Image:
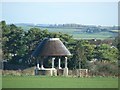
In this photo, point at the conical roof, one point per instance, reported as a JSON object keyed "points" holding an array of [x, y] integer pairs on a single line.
{"points": [[51, 47]]}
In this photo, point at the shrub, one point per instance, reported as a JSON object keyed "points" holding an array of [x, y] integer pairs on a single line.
{"points": [[104, 69]]}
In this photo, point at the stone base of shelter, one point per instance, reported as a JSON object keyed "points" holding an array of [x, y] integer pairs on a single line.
{"points": [[46, 71], [52, 72], [65, 72], [82, 72], [60, 72]]}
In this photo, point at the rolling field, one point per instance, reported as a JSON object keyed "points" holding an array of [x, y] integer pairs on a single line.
{"points": [[78, 35], [81, 35], [58, 82], [100, 35]]}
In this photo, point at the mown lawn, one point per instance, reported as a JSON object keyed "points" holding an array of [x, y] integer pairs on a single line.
{"points": [[58, 82], [0, 81]]}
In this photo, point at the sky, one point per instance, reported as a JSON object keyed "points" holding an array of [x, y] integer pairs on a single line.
{"points": [[87, 13]]}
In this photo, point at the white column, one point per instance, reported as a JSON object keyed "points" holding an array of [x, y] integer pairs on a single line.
{"points": [[65, 62], [65, 69], [53, 62], [52, 70], [38, 67], [59, 64], [42, 64]]}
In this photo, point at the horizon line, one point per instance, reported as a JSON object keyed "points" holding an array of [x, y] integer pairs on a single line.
{"points": [[58, 24]]}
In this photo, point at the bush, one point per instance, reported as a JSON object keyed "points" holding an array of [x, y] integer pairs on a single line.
{"points": [[103, 69]]}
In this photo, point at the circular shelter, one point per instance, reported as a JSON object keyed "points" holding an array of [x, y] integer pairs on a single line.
{"points": [[51, 47]]}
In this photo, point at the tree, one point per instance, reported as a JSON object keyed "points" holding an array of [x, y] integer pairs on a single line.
{"points": [[12, 42], [106, 52], [5, 32], [79, 54], [32, 39], [82, 52]]}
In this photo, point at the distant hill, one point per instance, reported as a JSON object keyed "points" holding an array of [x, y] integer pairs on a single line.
{"points": [[76, 30], [25, 24]]}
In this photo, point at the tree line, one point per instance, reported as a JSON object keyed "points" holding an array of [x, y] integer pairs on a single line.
{"points": [[18, 45]]}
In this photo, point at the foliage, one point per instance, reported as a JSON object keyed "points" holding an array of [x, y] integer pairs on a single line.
{"points": [[104, 68], [82, 52], [106, 52], [12, 41], [18, 45]]}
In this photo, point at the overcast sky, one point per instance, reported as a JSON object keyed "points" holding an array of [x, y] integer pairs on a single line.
{"points": [[90, 13]]}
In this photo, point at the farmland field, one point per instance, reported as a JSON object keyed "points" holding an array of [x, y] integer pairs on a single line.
{"points": [[58, 82], [78, 35], [81, 35]]}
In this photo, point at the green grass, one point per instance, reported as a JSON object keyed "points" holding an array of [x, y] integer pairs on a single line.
{"points": [[100, 35], [58, 82], [76, 35], [63, 30], [0, 81]]}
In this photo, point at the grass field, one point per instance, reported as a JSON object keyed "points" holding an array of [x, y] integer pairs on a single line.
{"points": [[82, 35], [58, 82], [76, 35], [0, 81], [100, 35]]}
